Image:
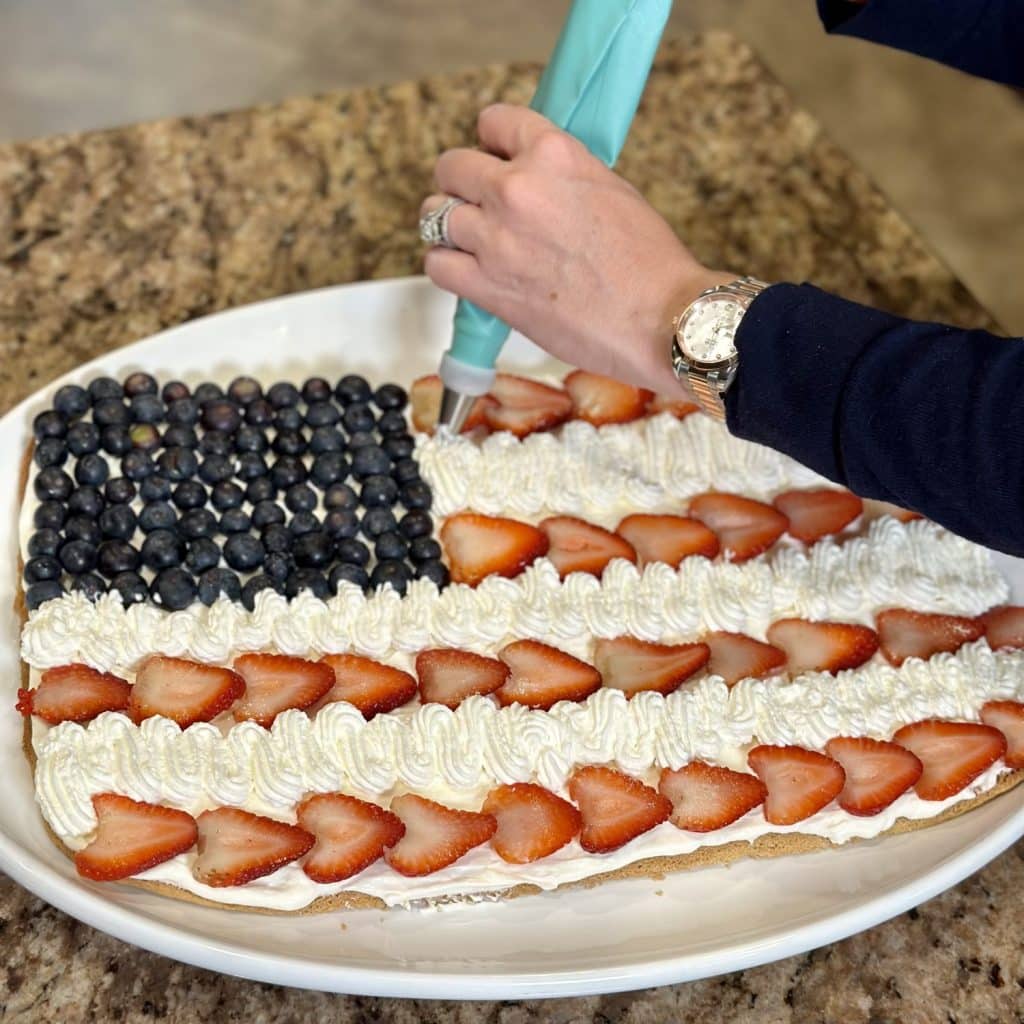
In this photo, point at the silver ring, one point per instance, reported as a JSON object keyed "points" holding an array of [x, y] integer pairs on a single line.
{"points": [[434, 225]]}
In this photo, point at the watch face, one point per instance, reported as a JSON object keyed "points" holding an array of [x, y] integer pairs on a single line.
{"points": [[709, 331]]}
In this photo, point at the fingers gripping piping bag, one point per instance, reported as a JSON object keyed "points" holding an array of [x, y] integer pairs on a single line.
{"points": [[591, 88]]}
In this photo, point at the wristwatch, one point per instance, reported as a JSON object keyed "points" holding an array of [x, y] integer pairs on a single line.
{"points": [[704, 341]]}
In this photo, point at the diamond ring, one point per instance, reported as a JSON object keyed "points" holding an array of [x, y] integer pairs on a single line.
{"points": [[434, 225]]}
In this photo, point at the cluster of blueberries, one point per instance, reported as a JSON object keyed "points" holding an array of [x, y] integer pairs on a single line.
{"points": [[177, 495]]}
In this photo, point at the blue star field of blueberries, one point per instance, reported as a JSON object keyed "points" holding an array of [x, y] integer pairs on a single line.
{"points": [[179, 496]]}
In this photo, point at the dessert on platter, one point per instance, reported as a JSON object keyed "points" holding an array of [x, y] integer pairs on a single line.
{"points": [[285, 649]]}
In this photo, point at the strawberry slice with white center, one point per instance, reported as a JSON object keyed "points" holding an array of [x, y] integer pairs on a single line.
{"points": [[876, 509], [133, 836], [822, 646], [744, 527], [600, 400], [877, 772], [425, 405], [954, 754], [577, 546], [632, 665], [74, 693], [350, 835], [800, 782], [449, 676], [736, 656], [235, 846], [366, 684], [479, 546], [278, 682], [532, 822], [1008, 717], [678, 407], [706, 797], [615, 807], [814, 514], [435, 835], [522, 406], [540, 676], [184, 691], [907, 634], [668, 539], [1004, 627]]}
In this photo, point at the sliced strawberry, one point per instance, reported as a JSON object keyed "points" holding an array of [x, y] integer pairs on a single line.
{"points": [[800, 782], [1004, 627], [678, 407], [736, 656], [435, 835], [601, 400], [615, 807], [822, 646], [1008, 717], [818, 513], [368, 685], [954, 754], [876, 509], [184, 691], [576, 546], [667, 539], [707, 797], [481, 546], [350, 835], [74, 693], [906, 634], [540, 676], [277, 682], [132, 837], [744, 527], [449, 676], [522, 406], [425, 403], [632, 665], [532, 822], [235, 846], [876, 772]]}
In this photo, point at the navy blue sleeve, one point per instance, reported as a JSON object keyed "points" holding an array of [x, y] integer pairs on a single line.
{"points": [[982, 37], [923, 415]]}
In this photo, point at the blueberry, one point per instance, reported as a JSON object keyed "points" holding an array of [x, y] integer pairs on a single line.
{"points": [[354, 552], [83, 528], [215, 582], [226, 494], [116, 439], [390, 396], [138, 384], [244, 390], [259, 413], [277, 538], [49, 515], [71, 401], [250, 465], [312, 550], [131, 586], [345, 572], [147, 409], [264, 513], [352, 388], [256, 586], [250, 439], [417, 495], [162, 549], [405, 471], [118, 522], [307, 579], [340, 496], [178, 463], [49, 423], [326, 439], [202, 554], [116, 556], [302, 523], [358, 417], [214, 442], [395, 574], [43, 542], [157, 515], [322, 414], [378, 492], [371, 460], [101, 388], [174, 391], [198, 522], [40, 593], [52, 484], [181, 435], [119, 490], [243, 552], [287, 471], [282, 395], [424, 549], [89, 584], [341, 523], [111, 412], [391, 546], [77, 556], [361, 438], [215, 468], [415, 524], [189, 494], [392, 424], [51, 451], [399, 446], [92, 470], [288, 418], [328, 468], [235, 520], [42, 567], [378, 521], [300, 498], [183, 411], [86, 501], [173, 589], [289, 442], [277, 566], [207, 392], [138, 465], [83, 438], [221, 414], [154, 487], [262, 488], [316, 389]]}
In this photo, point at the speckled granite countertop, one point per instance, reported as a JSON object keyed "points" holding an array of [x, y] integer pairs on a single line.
{"points": [[107, 237]]}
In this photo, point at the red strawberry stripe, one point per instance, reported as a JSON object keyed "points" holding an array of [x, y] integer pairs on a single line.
{"points": [[532, 822], [368, 685], [822, 646], [877, 772], [635, 665], [577, 546], [616, 808], [600, 400], [448, 676], [707, 797], [1008, 717], [184, 691], [279, 682], [479, 546], [235, 846], [744, 527], [435, 835], [667, 539], [954, 754], [908, 634], [800, 782], [735, 656], [523, 406], [540, 676], [74, 693], [818, 513], [1004, 627]]}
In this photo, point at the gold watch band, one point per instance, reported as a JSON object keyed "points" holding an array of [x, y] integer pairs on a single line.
{"points": [[707, 395]]}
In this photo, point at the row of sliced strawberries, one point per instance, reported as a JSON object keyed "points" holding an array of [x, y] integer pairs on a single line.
{"points": [[740, 528], [340, 835], [259, 687]]}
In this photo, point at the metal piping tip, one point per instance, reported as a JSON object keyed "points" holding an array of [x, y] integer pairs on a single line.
{"points": [[455, 408]]}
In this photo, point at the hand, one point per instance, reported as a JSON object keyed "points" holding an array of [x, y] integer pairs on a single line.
{"points": [[563, 249]]}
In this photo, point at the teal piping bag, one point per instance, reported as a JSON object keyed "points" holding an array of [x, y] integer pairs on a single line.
{"points": [[591, 88]]}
